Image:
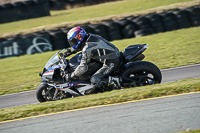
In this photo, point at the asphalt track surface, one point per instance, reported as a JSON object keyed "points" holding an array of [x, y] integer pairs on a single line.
{"points": [[169, 114], [169, 75]]}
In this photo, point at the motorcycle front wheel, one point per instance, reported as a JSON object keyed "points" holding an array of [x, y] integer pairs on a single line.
{"points": [[43, 94], [142, 73]]}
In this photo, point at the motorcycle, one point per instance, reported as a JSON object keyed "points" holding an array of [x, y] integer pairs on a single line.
{"points": [[131, 72]]}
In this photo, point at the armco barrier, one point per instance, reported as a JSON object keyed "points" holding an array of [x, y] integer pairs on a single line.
{"points": [[24, 10], [111, 30]]}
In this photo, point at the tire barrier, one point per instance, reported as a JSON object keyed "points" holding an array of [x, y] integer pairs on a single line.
{"points": [[194, 15], [143, 27], [99, 29], [182, 18], [24, 10], [169, 21], [57, 5], [88, 29], [28, 44], [58, 39], [128, 27], [154, 21], [21, 10], [113, 31]]}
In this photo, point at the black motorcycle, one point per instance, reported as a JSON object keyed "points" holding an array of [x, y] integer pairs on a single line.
{"points": [[131, 72]]}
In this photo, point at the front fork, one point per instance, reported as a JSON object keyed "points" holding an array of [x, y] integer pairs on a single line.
{"points": [[54, 97], [55, 94], [58, 95]]}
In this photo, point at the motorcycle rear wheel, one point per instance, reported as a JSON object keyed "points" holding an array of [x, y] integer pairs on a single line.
{"points": [[142, 73]]}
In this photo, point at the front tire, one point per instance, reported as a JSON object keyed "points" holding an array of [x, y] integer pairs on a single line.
{"points": [[41, 92], [142, 73]]}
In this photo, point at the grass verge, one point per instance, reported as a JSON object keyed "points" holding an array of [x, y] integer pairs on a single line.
{"points": [[116, 96], [192, 131], [166, 50], [67, 18]]}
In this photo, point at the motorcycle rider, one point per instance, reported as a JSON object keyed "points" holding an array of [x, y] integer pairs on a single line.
{"points": [[96, 48]]}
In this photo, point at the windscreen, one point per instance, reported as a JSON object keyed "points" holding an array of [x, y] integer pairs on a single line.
{"points": [[53, 60]]}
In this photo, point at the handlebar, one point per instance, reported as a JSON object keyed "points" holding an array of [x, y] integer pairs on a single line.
{"points": [[64, 61], [62, 58]]}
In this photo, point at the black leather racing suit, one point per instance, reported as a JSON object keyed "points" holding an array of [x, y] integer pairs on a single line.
{"points": [[101, 50]]}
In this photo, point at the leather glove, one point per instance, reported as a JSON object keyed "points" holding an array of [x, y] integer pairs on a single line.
{"points": [[67, 52], [73, 76], [67, 77]]}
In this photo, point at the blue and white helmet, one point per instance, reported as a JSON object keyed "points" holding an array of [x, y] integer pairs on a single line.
{"points": [[75, 37]]}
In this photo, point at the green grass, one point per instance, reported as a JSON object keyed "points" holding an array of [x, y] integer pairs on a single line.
{"points": [[166, 50], [169, 49], [116, 96], [89, 12], [192, 131]]}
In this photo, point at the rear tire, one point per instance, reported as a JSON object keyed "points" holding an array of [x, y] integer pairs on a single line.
{"points": [[142, 73]]}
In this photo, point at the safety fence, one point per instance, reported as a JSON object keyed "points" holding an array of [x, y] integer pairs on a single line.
{"points": [[128, 27]]}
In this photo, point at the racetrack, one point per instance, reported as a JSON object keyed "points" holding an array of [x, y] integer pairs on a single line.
{"points": [[169, 75], [158, 115]]}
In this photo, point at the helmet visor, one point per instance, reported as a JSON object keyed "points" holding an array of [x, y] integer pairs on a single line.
{"points": [[72, 42]]}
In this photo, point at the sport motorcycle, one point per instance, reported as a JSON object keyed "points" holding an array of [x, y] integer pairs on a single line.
{"points": [[132, 71]]}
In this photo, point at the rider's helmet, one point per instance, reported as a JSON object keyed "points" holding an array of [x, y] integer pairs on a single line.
{"points": [[75, 37]]}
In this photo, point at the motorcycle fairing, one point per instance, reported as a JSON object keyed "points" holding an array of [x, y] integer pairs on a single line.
{"points": [[66, 85], [49, 74], [53, 60], [131, 52], [81, 87], [54, 67]]}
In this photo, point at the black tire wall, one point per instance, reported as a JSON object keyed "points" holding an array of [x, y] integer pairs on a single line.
{"points": [[111, 30], [24, 10], [59, 39], [194, 15], [169, 21], [37, 42]]}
